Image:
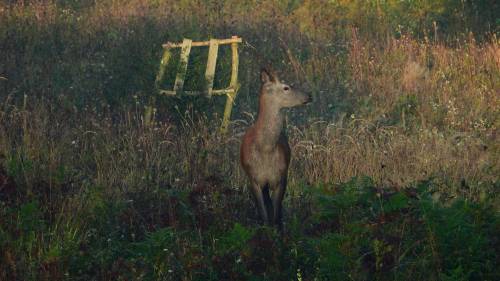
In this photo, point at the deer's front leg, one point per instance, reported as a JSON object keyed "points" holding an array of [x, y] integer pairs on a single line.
{"points": [[278, 194], [259, 201]]}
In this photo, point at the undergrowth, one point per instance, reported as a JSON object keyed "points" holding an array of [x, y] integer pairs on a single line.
{"points": [[349, 231], [394, 172]]}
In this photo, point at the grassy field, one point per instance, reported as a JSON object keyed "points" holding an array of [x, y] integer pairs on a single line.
{"points": [[395, 166]]}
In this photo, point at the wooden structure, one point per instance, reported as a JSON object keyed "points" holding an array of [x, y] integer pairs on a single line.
{"points": [[213, 45]]}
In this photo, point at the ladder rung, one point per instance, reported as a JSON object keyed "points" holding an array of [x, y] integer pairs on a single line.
{"points": [[166, 92], [220, 92], [204, 43], [223, 91]]}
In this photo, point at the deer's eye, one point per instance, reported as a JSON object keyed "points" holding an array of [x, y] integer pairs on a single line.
{"points": [[286, 88]]}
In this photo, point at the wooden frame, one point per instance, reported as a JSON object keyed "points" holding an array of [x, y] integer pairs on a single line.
{"points": [[213, 45]]}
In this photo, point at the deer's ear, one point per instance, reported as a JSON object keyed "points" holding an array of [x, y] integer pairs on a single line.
{"points": [[267, 76]]}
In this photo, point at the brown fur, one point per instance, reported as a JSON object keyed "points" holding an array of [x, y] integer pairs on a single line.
{"points": [[265, 153]]}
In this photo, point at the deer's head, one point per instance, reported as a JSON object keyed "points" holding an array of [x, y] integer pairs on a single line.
{"points": [[278, 94]]}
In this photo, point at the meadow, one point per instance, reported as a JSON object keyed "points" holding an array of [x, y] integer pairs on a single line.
{"points": [[395, 165]]}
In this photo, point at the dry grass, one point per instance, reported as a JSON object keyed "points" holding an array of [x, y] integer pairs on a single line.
{"points": [[399, 111], [391, 105]]}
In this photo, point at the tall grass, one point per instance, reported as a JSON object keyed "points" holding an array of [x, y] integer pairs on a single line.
{"points": [[394, 170]]}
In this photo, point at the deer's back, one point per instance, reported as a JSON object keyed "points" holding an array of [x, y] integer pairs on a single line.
{"points": [[264, 165]]}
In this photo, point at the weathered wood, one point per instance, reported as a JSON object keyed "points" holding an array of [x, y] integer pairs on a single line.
{"points": [[211, 63], [233, 39], [149, 113], [181, 72], [232, 85], [167, 54], [235, 65], [221, 92], [166, 92], [150, 109], [213, 44]]}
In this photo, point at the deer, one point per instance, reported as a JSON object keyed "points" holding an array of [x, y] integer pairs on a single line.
{"points": [[265, 153]]}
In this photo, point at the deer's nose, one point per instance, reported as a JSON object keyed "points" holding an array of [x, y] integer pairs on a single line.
{"points": [[309, 98]]}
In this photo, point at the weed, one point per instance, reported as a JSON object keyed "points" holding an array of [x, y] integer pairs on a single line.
{"points": [[393, 177]]}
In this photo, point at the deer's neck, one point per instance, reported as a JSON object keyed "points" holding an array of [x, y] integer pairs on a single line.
{"points": [[269, 126]]}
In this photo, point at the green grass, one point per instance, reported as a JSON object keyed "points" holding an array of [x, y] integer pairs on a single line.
{"points": [[348, 231], [394, 172]]}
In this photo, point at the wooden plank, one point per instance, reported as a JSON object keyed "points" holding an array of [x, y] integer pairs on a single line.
{"points": [[199, 93], [235, 65], [167, 54], [166, 92], [234, 39], [181, 71], [233, 85], [211, 63], [221, 92]]}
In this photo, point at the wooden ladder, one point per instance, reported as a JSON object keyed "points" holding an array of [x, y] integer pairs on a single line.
{"points": [[213, 45]]}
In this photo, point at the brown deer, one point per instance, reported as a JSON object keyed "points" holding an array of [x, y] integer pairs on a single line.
{"points": [[265, 153]]}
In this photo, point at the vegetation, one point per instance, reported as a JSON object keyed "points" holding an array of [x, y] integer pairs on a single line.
{"points": [[394, 170]]}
